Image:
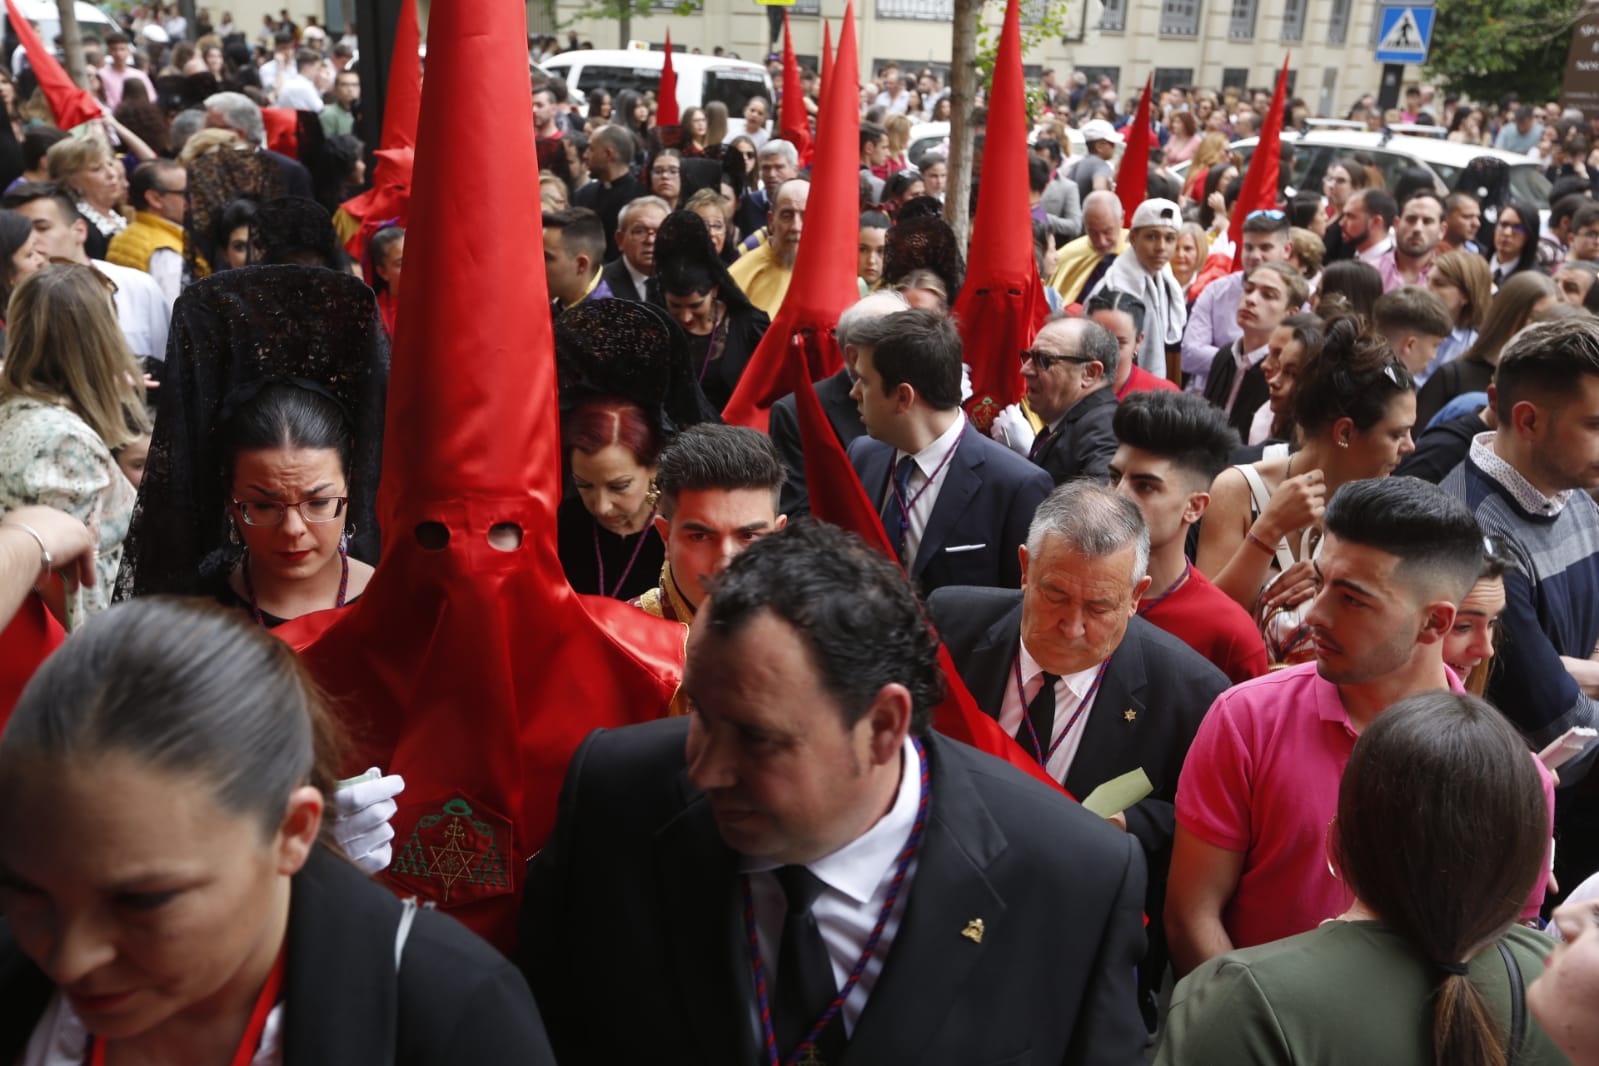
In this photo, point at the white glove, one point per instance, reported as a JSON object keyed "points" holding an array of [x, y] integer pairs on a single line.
{"points": [[1012, 429], [966, 382], [363, 807]]}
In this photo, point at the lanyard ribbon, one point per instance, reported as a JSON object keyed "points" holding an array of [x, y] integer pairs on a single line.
{"points": [[768, 1033], [252, 1032], [1082, 705]]}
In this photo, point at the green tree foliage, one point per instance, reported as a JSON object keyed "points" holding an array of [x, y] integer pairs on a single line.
{"points": [[1487, 48]]}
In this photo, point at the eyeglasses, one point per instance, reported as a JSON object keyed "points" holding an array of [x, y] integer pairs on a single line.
{"points": [[1513, 227], [1043, 361], [105, 282], [169, 192], [316, 509], [1275, 216]]}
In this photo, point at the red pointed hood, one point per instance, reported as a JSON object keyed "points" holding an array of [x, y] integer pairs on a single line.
{"points": [[70, 105], [666, 113], [386, 200], [1001, 303], [468, 665], [1260, 179], [1132, 177], [793, 126], [827, 54], [403, 104], [827, 259]]}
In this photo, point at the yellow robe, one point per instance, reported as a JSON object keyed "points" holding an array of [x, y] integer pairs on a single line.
{"points": [[763, 279], [1077, 261]]}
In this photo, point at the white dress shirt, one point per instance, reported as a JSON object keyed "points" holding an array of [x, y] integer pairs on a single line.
{"points": [[143, 311], [1378, 250], [1069, 693], [1245, 361], [929, 465], [856, 881]]}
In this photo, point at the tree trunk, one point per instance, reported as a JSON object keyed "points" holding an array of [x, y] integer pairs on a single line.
{"points": [[624, 23], [72, 43], [962, 91]]}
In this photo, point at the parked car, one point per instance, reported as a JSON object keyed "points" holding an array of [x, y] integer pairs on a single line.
{"points": [[926, 136], [1394, 154], [700, 78]]}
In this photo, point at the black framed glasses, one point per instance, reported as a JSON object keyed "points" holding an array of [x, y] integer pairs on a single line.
{"points": [[316, 509], [1043, 361]]}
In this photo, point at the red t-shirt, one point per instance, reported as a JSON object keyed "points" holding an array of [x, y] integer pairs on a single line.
{"points": [[1208, 620], [1141, 380]]}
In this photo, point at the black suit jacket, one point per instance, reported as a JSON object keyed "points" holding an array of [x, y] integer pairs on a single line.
{"points": [[1163, 683], [633, 935], [1166, 684], [454, 1000], [783, 426], [981, 515], [1084, 444], [621, 283], [296, 178]]}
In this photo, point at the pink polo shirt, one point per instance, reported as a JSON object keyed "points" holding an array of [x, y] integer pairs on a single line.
{"points": [[1262, 778]]}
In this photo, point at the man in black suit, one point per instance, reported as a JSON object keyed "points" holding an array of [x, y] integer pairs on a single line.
{"points": [[610, 162], [237, 112], [834, 393], [704, 869], [1071, 375], [955, 504], [1067, 667], [632, 277]]}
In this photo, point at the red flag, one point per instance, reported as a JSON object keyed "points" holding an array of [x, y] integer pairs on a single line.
{"points": [[70, 105], [386, 200], [1132, 177], [794, 127], [1001, 303], [1260, 178], [666, 113], [469, 666], [828, 255]]}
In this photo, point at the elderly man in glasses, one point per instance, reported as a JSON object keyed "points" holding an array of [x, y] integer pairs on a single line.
{"points": [[1213, 322], [1070, 373], [1144, 270]]}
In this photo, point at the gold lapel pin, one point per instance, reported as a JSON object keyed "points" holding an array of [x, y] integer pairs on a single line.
{"points": [[974, 931], [1130, 714]]}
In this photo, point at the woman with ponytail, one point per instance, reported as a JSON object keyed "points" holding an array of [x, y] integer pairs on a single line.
{"points": [[1442, 831]]}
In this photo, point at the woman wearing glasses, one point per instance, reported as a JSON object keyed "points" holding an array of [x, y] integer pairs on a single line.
{"points": [[1515, 242], [70, 393], [286, 448], [1355, 405]]}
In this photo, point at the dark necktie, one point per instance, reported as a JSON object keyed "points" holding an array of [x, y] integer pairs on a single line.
{"points": [[1041, 712], [896, 519], [1040, 442], [1093, 279], [1499, 275], [805, 984], [652, 290]]}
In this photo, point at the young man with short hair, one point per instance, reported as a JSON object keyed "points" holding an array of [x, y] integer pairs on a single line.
{"points": [[954, 503], [1416, 237], [1414, 321], [610, 165], [1172, 446], [1213, 322], [1368, 223], [1462, 220], [1260, 787], [718, 490], [574, 241], [1585, 233]]}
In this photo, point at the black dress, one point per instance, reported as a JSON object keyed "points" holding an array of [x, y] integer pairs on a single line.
{"points": [[744, 325], [639, 556], [1455, 378]]}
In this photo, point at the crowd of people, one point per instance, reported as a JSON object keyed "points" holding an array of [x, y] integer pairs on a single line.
{"points": [[1272, 594]]}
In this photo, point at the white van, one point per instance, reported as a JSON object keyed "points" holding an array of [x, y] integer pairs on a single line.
{"points": [[46, 18], [700, 78]]}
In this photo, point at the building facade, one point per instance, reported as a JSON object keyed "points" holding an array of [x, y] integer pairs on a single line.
{"points": [[1210, 43]]}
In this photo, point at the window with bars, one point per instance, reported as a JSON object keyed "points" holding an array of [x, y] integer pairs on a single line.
{"points": [[806, 7], [1241, 26], [1294, 20], [1114, 16], [1338, 23], [1179, 18], [916, 10], [1172, 77]]}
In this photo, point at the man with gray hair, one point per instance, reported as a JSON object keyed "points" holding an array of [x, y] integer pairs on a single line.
{"points": [[237, 112], [779, 163], [834, 394], [1088, 688], [1070, 375], [632, 277]]}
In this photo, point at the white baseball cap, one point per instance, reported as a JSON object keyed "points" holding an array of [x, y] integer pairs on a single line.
{"points": [[1100, 130], [1157, 212]]}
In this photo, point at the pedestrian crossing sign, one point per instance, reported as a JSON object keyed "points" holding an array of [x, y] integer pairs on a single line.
{"points": [[1405, 35]]}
